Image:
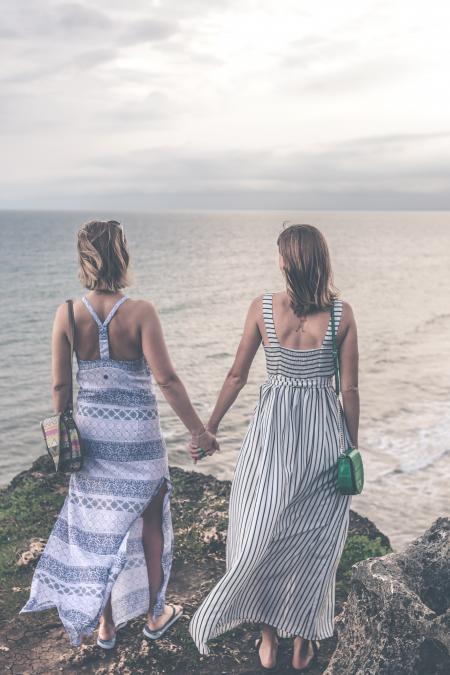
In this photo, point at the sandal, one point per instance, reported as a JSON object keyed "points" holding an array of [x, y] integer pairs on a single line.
{"points": [[257, 646], [304, 650], [107, 644], [155, 634]]}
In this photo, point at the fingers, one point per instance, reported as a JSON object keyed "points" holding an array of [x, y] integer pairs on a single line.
{"points": [[208, 447], [196, 453]]}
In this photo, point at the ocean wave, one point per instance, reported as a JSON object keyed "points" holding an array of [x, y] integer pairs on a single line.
{"points": [[416, 436], [418, 465]]}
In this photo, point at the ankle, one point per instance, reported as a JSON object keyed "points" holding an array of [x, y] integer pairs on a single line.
{"points": [[270, 638], [106, 622]]}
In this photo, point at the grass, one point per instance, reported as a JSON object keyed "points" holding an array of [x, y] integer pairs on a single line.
{"points": [[357, 547], [27, 511]]}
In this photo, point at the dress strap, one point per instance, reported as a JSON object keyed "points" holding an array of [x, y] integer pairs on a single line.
{"points": [[91, 311], [268, 319], [103, 327], [114, 310], [328, 339]]}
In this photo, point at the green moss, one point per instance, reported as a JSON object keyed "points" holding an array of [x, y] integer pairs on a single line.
{"points": [[27, 511], [359, 547]]}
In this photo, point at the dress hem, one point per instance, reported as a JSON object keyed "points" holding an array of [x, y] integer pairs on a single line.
{"points": [[76, 637], [284, 632]]}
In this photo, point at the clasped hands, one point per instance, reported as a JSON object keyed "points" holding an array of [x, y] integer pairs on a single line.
{"points": [[202, 444]]}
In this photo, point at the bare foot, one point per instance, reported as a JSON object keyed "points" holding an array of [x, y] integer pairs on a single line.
{"points": [[267, 651], [106, 631], [301, 658], [156, 624]]}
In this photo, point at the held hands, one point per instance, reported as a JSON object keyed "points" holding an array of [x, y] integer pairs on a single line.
{"points": [[202, 444]]}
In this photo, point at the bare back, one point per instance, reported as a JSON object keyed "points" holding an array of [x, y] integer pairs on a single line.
{"points": [[297, 333], [124, 333], [128, 330]]}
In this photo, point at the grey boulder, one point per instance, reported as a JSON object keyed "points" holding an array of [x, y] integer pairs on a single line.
{"points": [[396, 619]]}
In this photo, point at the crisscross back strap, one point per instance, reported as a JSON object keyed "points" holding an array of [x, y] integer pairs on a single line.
{"points": [[268, 319], [103, 326], [91, 311]]}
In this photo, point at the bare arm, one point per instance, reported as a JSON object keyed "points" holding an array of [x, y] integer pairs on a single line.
{"points": [[61, 366], [349, 375], [237, 376], [157, 356]]}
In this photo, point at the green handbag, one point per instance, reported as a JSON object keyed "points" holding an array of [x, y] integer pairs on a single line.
{"points": [[350, 469]]}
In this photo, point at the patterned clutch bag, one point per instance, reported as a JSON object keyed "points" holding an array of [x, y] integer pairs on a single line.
{"points": [[62, 440], [61, 435]]}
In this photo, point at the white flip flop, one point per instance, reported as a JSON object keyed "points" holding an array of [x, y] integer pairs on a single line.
{"points": [[107, 644]]}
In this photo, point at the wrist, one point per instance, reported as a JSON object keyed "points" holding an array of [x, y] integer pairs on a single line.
{"points": [[198, 431], [212, 428]]}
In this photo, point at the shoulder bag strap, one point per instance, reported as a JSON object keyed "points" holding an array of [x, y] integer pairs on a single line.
{"points": [[337, 381], [337, 375], [72, 347]]}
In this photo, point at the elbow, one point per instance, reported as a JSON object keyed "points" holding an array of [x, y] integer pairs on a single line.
{"points": [[58, 387], [167, 380], [60, 396], [236, 380], [350, 390]]}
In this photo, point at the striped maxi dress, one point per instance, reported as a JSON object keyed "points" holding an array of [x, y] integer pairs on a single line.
{"points": [[287, 521], [95, 549]]}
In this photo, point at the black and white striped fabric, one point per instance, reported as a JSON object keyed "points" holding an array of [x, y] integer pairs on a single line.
{"points": [[287, 521]]}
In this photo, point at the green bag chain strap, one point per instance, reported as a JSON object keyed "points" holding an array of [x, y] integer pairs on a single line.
{"points": [[350, 470]]}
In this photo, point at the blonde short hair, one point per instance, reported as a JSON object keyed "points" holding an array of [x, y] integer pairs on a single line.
{"points": [[103, 255]]}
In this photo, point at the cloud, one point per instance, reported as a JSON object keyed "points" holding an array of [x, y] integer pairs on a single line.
{"points": [[149, 30], [344, 175], [254, 103], [74, 17], [353, 78], [94, 57], [317, 49]]}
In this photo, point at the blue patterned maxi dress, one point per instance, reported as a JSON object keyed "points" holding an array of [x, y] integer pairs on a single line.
{"points": [[95, 549]]}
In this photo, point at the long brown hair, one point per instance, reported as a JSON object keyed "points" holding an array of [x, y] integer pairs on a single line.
{"points": [[103, 255], [307, 268]]}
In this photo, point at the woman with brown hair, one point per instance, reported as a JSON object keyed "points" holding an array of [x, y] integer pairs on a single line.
{"points": [[287, 520], [108, 558]]}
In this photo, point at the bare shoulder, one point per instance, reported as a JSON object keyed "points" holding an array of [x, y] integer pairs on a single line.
{"points": [[281, 300], [142, 307], [348, 317], [62, 315], [143, 312], [347, 309], [256, 305]]}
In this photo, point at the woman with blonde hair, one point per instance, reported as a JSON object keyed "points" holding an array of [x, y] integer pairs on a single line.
{"points": [[287, 520], [108, 558]]}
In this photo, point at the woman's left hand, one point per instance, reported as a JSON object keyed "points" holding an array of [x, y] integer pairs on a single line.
{"points": [[202, 445]]}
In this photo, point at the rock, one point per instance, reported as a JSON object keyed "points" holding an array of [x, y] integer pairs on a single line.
{"points": [[364, 526], [396, 620], [35, 548]]}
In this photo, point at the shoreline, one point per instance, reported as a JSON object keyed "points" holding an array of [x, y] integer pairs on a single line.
{"points": [[28, 507]]}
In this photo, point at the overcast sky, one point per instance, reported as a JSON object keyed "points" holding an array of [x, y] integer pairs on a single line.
{"points": [[225, 104]]}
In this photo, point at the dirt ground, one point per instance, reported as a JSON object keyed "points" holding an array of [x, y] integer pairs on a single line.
{"points": [[37, 643]]}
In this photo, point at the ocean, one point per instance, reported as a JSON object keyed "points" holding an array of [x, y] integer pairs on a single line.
{"points": [[201, 270]]}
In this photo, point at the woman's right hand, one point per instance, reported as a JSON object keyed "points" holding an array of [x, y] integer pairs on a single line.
{"points": [[202, 444]]}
